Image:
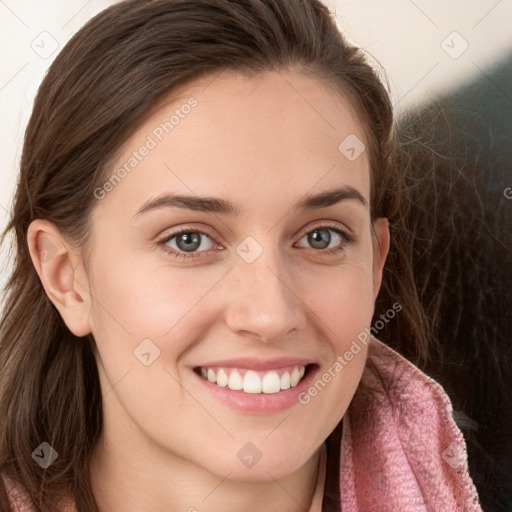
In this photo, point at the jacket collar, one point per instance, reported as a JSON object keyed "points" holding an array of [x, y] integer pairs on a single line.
{"points": [[400, 447]]}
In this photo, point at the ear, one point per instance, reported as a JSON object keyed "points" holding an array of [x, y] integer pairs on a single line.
{"points": [[380, 251], [62, 275]]}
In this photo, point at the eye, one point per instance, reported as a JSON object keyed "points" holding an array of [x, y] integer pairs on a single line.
{"points": [[186, 243], [191, 242], [321, 238]]}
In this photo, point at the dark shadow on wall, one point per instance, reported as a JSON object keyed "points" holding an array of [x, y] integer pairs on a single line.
{"points": [[458, 157]]}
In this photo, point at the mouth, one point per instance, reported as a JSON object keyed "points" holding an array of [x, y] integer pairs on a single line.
{"points": [[254, 381], [251, 388]]}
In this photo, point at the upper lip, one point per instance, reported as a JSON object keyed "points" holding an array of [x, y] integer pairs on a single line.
{"points": [[257, 364]]}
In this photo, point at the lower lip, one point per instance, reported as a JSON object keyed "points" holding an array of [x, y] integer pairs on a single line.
{"points": [[260, 403]]}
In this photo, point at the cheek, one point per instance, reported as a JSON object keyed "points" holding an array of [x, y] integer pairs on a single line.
{"points": [[146, 300], [344, 305], [342, 298], [343, 313]]}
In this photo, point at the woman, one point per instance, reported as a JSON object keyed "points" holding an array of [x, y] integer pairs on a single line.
{"points": [[202, 226]]}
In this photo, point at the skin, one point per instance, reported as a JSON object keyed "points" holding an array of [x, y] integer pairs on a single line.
{"points": [[263, 144]]}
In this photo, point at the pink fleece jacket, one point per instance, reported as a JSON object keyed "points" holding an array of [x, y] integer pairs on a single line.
{"points": [[401, 450]]}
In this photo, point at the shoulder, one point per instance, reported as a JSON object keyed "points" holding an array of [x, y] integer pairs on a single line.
{"points": [[17, 495], [19, 500]]}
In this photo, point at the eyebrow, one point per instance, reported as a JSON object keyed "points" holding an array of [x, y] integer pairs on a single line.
{"points": [[223, 206]]}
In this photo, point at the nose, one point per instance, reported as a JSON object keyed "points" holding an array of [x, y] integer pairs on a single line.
{"points": [[264, 302]]}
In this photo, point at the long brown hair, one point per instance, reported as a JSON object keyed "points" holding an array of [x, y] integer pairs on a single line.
{"points": [[104, 83]]}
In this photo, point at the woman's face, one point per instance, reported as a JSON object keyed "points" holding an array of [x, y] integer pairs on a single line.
{"points": [[273, 278]]}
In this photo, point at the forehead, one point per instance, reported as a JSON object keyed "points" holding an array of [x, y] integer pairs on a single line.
{"points": [[278, 136]]}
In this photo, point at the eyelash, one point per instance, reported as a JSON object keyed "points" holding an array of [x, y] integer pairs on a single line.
{"points": [[172, 252]]}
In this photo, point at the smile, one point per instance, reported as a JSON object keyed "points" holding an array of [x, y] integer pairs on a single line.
{"points": [[251, 381]]}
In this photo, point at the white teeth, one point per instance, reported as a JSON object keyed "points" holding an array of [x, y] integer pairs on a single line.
{"points": [[222, 379], [285, 380], [252, 382], [294, 377], [271, 383], [235, 381]]}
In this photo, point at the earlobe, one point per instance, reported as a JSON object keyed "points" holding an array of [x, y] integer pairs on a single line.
{"points": [[61, 274], [381, 242]]}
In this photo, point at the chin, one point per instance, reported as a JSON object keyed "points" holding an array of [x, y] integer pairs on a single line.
{"points": [[249, 463]]}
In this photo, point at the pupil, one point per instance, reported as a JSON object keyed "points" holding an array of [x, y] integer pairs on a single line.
{"points": [[319, 236], [189, 238]]}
